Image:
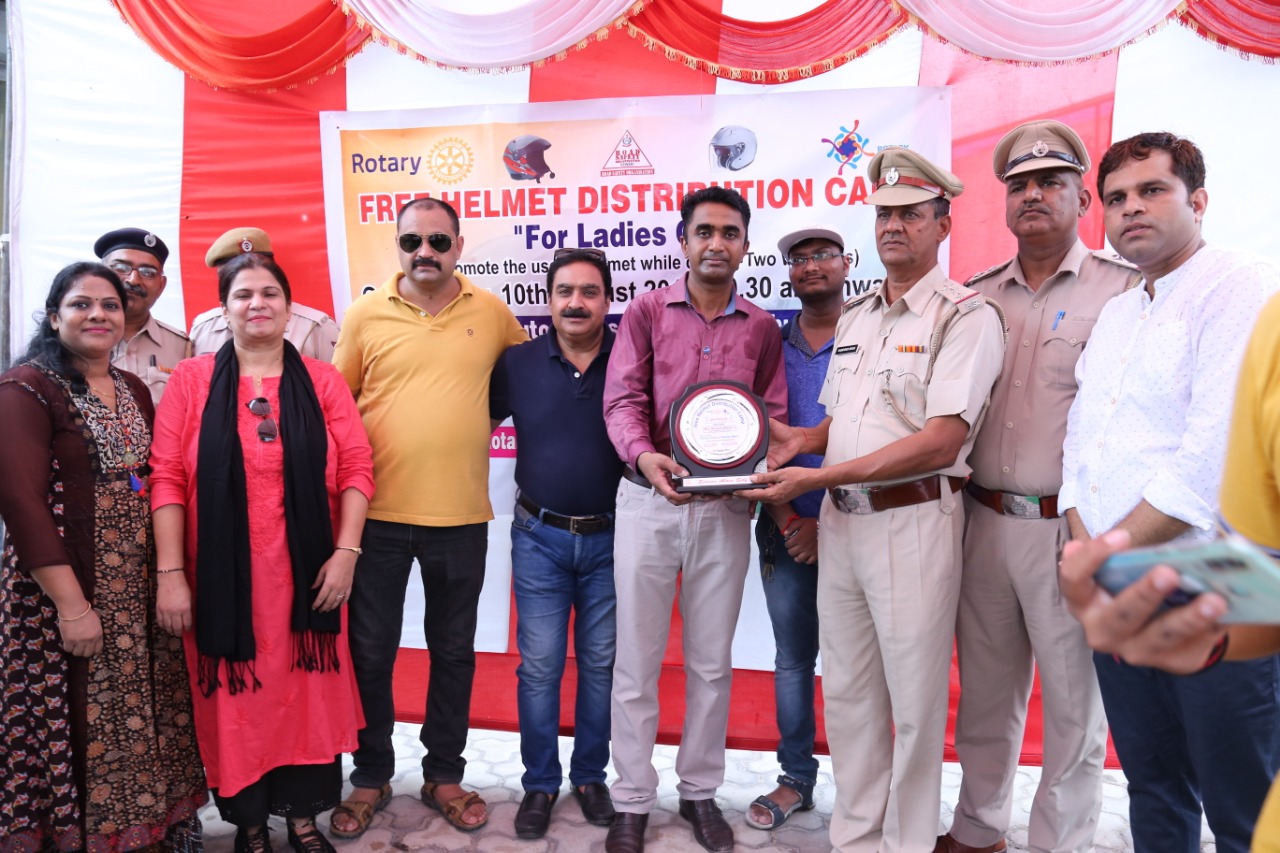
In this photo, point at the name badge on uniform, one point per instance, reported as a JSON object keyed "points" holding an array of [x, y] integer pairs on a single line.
{"points": [[851, 349]]}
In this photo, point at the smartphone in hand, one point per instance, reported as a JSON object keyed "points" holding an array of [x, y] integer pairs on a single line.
{"points": [[1241, 572]]}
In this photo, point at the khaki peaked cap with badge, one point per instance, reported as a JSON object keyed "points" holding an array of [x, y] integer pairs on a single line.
{"points": [[312, 331], [237, 241], [1043, 144], [902, 176]]}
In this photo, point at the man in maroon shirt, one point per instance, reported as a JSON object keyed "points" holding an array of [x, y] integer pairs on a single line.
{"points": [[698, 329]]}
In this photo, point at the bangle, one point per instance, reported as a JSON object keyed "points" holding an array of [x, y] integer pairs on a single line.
{"points": [[168, 571], [62, 618], [1217, 653], [358, 551], [794, 517]]}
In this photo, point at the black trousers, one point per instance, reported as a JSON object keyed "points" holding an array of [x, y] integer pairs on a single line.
{"points": [[295, 790]]}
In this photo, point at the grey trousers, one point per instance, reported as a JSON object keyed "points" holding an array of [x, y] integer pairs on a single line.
{"points": [[706, 547]]}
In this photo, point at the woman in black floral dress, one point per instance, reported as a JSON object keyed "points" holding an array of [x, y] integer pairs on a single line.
{"points": [[96, 737]]}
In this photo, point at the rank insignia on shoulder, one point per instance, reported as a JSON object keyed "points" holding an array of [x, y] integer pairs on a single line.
{"points": [[851, 349]]}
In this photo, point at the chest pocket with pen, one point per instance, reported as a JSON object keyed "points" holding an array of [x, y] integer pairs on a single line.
{"points": [[1061, 350]]}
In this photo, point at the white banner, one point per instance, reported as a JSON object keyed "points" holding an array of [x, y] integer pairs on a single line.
{"points": [[527, 179]]}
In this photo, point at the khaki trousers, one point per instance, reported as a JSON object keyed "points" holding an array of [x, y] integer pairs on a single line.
{"points": [[707, 547], [1011, 612], [886, 609]]}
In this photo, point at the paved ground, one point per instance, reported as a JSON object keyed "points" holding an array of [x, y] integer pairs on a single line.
{"points": [[494, 769]]}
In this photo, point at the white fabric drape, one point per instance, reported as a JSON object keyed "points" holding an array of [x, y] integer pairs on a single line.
{"points": [[1040, 30], [490, 40]]}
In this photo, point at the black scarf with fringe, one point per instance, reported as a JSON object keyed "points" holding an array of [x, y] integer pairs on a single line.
{"points": [[224, 584]]}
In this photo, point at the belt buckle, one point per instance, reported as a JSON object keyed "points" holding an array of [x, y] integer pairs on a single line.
{"points": [[1020, 506], [853, 500], [583, 525]]}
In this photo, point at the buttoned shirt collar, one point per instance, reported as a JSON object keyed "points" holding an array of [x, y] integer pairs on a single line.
{"points": [[1072, 263], [917, 298], [554, 350], [678, 294], [392, 289]]}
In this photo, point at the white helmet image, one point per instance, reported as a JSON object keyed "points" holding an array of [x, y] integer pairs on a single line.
{"points": [[733, 148]]}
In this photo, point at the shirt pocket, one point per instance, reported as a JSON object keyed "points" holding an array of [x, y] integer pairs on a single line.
{"points": [[737, 367], [904, 379], [845, 376], [1058, 356], [156, 379]]}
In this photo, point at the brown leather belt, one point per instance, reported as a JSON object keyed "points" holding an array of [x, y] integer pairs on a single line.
{"points": [[1019, 506], [639, 479], [580, 525], [868, 499]]}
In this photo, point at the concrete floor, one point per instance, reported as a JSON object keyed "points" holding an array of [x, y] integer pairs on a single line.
{"points": [[494, 770]]}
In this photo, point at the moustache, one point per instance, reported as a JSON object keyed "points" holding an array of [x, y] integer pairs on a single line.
{"points": [[576, 313], [134, 290], [426, 262]]}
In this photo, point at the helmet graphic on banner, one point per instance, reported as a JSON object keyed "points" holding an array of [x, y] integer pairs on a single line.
{"points": [[525, 160], [733, 148]]}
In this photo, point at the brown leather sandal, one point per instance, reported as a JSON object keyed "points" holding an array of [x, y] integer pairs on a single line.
{"points": [[455, 808], [359, 811]]}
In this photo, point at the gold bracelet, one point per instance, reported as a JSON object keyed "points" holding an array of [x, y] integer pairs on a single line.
{"points": [[358, 551], [62, 618], [169, 571]]}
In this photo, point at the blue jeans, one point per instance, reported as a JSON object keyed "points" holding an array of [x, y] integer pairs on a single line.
{"points": [[555, 571], [452, 561], [791, 594], [1183, 740]]}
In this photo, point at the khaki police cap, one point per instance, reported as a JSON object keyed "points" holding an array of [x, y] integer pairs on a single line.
{"points": [[1044, 144], [237, 241], [901, 176], [813, 232]]}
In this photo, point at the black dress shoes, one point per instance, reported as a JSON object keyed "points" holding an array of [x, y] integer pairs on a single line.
{"points": [[627, 833], [597, 805], [709, 826], [534, 815]]}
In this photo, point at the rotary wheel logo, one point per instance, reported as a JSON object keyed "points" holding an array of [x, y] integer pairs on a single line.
{"points": [[450, 160]]}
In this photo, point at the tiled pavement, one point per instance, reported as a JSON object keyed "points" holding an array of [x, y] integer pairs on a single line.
{"points": [[494, 769]]}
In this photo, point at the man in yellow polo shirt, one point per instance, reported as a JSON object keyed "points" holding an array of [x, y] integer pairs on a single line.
{"points": [[1189, 639], [417, 354]]}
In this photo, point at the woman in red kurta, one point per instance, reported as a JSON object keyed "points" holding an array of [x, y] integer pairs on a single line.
{"points": [[262, 477]]}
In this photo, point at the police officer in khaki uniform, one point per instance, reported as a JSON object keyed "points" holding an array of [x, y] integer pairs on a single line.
{"points": [[150, 349], [1010, 608], [313, 332], [906, 390]]}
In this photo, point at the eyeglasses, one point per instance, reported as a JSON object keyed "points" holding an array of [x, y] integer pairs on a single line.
{"points": [[125, 269], [820, 258], [410, 243], [267, 430], [598, 254]]}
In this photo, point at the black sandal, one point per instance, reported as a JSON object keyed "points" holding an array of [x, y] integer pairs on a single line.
{"points": [[311, 841], [257, 842], [776, 812]]}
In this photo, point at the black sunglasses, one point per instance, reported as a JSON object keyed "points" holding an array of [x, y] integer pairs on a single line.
{"points": [[267, 430], [590, 252], [410, 243]]}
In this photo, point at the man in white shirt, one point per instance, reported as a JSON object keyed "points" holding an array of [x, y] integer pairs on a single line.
{"points": [[1144, 454]]}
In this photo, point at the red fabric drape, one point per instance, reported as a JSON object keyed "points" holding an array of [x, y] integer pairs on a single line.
{"points": [[315, 39], [770, 51], [1248, 26]]}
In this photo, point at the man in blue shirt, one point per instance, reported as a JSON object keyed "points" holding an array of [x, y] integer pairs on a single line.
{"points": [[567, 473], [787, 533]]}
